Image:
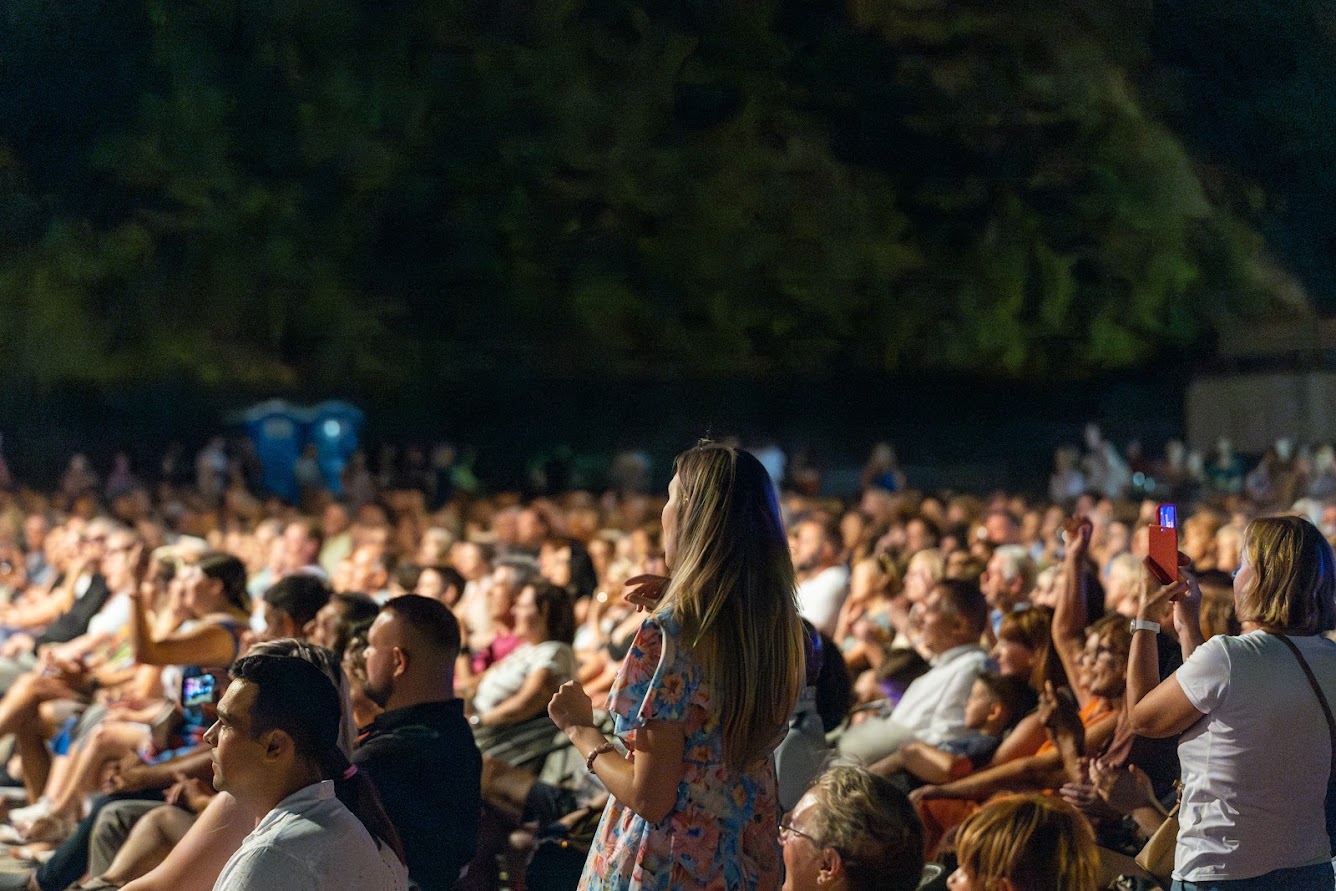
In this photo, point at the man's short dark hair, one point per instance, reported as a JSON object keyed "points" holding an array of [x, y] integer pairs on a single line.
{"points": [[430, 620], [294, 696], [301, 596]]}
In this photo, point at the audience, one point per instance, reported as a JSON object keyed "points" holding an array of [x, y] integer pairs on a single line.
{"points": [[953, 614]]}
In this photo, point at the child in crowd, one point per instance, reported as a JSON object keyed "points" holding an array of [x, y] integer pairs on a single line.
{"points": [[996, 703]]}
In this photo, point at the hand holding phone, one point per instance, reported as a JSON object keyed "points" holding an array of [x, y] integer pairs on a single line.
{"points": [[1163, 560]]}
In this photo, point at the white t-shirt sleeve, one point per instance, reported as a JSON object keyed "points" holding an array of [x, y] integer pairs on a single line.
{"points": [[554, 656], [1204, 677]]}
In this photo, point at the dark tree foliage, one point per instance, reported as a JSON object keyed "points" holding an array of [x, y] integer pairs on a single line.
{"points": [[408, 191]]}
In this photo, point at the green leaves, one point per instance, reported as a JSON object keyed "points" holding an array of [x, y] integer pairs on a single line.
{"points": [[372, 195]]}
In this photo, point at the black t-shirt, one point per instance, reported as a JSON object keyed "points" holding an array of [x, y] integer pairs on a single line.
{"points": [[428, 772], [74, 621]]}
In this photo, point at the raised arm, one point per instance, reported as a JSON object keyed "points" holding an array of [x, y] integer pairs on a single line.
{"points": [[1159, 709], [1069, 613]]}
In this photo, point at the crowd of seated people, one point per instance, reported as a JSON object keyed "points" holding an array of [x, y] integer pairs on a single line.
{"points": [[971, 648]]}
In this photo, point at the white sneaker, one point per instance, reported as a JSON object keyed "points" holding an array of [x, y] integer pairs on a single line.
{"points": [[23, 817]]}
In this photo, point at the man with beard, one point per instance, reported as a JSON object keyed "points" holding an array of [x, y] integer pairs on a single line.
{"points": [[823, 579], [419, 752]]}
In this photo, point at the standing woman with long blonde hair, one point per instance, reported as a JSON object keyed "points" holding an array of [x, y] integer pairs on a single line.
{"points": [[703, 696]]}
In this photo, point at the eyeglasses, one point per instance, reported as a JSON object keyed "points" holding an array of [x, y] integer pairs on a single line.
{"points": [[786, 831]]}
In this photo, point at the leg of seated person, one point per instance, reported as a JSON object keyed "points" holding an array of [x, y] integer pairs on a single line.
{"points": [[30, 744], [197, 861], [131, 838], [107, 742], [115, 824], [69, 862], [873, 739]]}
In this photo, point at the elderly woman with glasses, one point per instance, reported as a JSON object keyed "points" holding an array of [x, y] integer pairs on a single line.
{"points": [[852, 830]]}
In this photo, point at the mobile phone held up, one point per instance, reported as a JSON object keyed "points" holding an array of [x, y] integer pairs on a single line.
{"points": [[1164, 545], [197, 690]]}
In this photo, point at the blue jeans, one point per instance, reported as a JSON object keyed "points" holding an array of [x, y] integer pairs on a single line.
{"points": [[1318, 877]]}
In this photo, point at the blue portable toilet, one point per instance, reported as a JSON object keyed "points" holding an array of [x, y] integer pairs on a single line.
{"points": [[334, 428], [279, 432]]}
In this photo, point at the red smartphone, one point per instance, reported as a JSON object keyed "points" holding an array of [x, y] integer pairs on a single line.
{"points": [[1164, 545]]}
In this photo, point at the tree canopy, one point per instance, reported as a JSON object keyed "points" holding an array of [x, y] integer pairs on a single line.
{"points": [[273, 192]]}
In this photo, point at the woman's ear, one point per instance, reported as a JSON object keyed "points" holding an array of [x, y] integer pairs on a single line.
{"points": [[832, 866]]}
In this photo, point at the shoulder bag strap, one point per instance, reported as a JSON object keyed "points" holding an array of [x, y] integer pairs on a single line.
{"points": [[1321, 697]]}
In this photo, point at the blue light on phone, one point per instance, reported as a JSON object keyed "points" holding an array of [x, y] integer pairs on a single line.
{"points": [[1168, 516]]}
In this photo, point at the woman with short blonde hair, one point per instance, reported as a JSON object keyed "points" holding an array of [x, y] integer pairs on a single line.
{"points": [[1253, 734], [1025, 843]]}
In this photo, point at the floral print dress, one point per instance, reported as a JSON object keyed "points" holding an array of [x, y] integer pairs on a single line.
{"points": [[723, 831]]}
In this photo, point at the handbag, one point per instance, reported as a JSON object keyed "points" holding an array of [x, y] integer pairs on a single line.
{"points": [[1331, 729], [1157, 856]]}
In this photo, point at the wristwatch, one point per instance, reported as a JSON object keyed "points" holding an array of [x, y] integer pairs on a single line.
{"points": [[1145, 625]]}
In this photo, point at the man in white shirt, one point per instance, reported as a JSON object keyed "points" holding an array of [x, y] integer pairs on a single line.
{"points": [[950, 620], [823, 580], [275, 748]]}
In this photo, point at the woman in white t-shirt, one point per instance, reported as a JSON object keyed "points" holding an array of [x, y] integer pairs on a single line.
{"points": [[509, 716], [1255, 748]]}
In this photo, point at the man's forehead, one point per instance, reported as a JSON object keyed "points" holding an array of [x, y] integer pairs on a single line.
{"points": [[237, 700]]}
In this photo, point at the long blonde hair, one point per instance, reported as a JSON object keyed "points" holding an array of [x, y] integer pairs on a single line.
{"points": [[734, 595]]}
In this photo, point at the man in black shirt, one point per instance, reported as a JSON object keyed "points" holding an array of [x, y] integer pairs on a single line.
{"points": [[419, 753]]}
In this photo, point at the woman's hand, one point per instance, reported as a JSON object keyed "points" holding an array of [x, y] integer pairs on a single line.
{"points": [[1060, 714], [645, 590], [1154, 597], [1076, 534], [1123, 790], [570, 707]]}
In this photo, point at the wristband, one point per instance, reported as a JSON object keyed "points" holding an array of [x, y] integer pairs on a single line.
{"points": [[606, 747], [1144, 625]]}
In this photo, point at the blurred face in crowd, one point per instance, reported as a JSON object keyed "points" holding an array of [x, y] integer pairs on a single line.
{"points": [[34, 531], [852, 525], [502, 594], [808, 547], [530, 623], [1013, 657], [530, 528], [993, 582], [468, 561], [117, 561], [299, 547], [335, 519], [366, 570], [1106, 667], [324, 628], [938, 625], [554, 563], [1000, 528], [918, 536], [432, 584], [978, 706]]}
